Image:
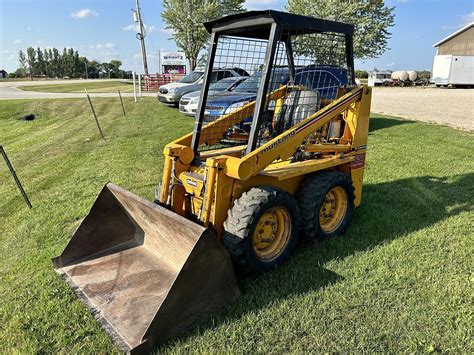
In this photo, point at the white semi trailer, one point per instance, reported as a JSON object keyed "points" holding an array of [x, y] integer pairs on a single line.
{"points": [[455, 70]]}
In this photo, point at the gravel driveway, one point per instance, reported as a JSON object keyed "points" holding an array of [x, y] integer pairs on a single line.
{"points": [[451, 107]]}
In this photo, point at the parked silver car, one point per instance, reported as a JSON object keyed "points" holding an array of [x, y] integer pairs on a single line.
{"points": [[188, 103], [171, 93]]}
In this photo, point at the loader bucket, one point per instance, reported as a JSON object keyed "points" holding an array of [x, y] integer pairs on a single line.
{"points": [[147, 273]]}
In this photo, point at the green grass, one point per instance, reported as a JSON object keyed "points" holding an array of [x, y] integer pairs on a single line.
{"points": [[91, 86], [399, 280]]}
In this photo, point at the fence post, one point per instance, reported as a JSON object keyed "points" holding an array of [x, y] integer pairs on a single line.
{"points": [[95, 116], [121, 102], [17, 181], [140, 85], [134, 87]]}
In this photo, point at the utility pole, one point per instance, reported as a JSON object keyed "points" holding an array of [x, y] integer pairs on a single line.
{"points": [[137, 17]]}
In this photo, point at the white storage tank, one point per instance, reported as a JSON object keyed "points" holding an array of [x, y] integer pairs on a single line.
{"points": [[400, 75], [412, 75], [403, 75]]}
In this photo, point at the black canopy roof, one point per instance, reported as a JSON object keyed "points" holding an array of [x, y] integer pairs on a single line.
{"points": [[256, 24]]}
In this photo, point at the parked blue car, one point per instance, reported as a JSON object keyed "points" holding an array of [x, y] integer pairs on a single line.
{"points": [[325, 79]]}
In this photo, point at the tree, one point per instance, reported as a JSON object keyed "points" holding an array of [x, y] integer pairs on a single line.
{"points": [[372, 20], [424, 74], [115, 68], [361, 74], [40, 62], [23, 61], [47, 63], [93, 69], [82, 67], [51, 63], [31, 59], [185, 19], [106, 68], [56, 63], [19, 73]]}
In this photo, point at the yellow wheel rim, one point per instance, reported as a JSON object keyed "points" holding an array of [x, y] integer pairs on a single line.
{"points": [[333, 210], [272, 233]]}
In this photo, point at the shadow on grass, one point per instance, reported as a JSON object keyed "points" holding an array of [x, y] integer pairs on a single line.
{"points": [[378, 122], [389, 211]]}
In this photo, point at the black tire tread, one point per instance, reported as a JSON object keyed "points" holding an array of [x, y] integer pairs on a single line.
{"points": [[314, 189], [240, 218]]}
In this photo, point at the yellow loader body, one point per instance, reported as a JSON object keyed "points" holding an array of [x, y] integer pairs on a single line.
{"points": [[231, 195], [229, 175]]}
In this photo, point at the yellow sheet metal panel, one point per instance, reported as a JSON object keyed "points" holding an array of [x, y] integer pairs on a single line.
{"points": [[362, 119]]}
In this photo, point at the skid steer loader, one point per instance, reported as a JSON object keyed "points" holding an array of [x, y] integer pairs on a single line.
{"points": [[284, 159]]}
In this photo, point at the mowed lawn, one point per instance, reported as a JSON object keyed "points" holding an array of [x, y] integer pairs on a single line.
{"points": [[400, 279], [91, 86]]}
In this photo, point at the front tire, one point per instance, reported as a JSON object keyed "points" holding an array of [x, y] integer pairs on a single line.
{"points": [[326, 203], [261, 229]]}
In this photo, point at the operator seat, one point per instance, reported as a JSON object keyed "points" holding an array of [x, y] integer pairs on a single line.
{"points": [[298, 105]]}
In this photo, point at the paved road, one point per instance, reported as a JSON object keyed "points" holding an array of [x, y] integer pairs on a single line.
{"points": [[10, 90], [451, 107]]}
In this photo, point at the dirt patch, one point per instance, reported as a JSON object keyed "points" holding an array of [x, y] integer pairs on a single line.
{"points": [[452, 107]]}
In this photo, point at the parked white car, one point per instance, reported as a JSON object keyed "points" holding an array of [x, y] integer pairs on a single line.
{"points": [[188, 104], [171, 93]]}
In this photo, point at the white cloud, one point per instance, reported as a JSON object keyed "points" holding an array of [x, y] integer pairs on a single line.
{"points": [[102, 46], [83, 13], [261, 4], [135, 27], [167, 30], [17, 41], [131, 27], [390, 64], [467, 19]]}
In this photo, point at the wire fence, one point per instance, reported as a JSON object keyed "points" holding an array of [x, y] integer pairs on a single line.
{"points": [[305, 72]]}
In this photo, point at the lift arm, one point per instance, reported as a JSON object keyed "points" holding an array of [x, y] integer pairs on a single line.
{"points": [[285, 145]]}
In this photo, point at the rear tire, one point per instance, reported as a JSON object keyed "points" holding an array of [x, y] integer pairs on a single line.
{"points": [[261, 229], [326, 202]]}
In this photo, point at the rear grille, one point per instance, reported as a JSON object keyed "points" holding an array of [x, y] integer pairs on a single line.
{"points": [[163, 90]]}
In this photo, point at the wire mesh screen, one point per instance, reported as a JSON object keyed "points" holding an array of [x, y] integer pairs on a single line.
{"points": [[305, 75]]}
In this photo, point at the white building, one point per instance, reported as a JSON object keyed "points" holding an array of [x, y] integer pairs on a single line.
{"points": [[453, 63], [172, 63]]}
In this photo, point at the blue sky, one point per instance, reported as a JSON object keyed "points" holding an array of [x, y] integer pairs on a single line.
{"points": [[103, 29]]}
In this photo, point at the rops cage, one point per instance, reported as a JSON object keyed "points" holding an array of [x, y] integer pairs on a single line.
{"points": [[297, 65]]}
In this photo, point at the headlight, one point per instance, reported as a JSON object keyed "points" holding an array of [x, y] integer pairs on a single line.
{"points": [[235, 107]]}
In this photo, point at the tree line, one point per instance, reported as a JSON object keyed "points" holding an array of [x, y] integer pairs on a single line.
{"points": [[372, 20], [50, 63]]}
